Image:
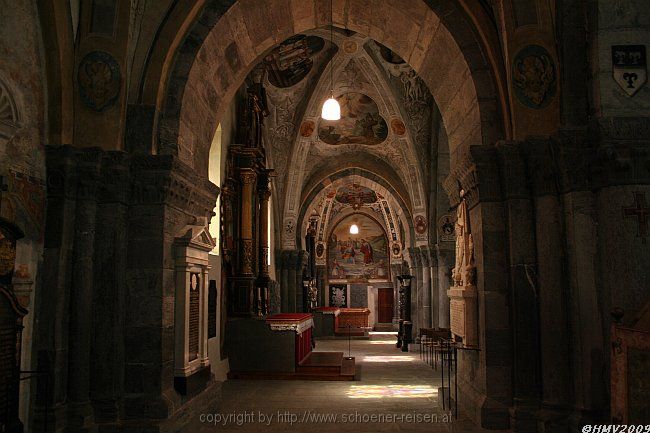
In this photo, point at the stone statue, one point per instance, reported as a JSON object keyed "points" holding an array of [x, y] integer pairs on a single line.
{"points": [[463, 273]]}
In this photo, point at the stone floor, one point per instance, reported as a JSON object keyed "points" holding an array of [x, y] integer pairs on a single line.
{"points": [[392, 384]]}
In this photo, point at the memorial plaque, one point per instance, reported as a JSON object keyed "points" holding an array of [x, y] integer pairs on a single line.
{"points": [[195, 302], [457, 309]]}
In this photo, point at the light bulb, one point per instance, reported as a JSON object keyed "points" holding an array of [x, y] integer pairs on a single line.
{"points": [[354, 229], [331, 110]]}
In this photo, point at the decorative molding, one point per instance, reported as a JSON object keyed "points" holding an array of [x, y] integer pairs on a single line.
{"points": [[298, 328]]}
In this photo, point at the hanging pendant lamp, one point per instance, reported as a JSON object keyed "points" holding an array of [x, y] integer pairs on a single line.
{"points": [[331, 108]]}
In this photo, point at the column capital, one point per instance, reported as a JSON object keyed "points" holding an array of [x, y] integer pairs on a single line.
{"points": [[248, 176]]}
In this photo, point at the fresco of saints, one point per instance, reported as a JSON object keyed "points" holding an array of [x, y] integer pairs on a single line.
{"points": [[336, 269], [348, 252], [366, 249]]}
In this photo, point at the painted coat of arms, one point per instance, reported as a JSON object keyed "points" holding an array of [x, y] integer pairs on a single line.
{"points": [[629, 67], [99, 80]]}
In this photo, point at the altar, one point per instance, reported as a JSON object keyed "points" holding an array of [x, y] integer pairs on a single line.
{"points": [[353, 321], [280, 347], [326, 321]]}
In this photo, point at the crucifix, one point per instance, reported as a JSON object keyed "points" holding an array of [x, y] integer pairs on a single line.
{"points": [[641, 212]]}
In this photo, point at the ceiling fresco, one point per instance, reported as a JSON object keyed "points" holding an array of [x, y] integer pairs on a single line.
{"points": [[360, 122], [384, 128], [355, 195], [292, 60]]}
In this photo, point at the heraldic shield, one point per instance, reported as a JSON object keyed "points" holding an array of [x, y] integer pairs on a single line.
{"points": [[629, 67]]}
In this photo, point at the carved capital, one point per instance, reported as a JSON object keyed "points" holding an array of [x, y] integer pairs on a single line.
{"points": [[477, 174]]}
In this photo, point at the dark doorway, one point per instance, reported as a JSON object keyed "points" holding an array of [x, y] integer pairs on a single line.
{"points": [[385, 312]]}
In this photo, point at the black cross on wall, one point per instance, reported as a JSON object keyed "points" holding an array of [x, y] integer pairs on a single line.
{"points": [[641, 212]]}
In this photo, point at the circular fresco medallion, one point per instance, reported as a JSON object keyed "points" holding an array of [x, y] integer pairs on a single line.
{"points": [[398, 127], [534, 77], [99, 80], [350, 47], [307, 128]]}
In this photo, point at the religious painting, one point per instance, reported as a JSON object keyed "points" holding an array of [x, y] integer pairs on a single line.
{"points": [[360, 122], [290, 62], [358, 257], [354, 194]]}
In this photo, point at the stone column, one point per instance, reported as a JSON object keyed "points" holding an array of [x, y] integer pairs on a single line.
{"points": [[416, 287], [81, 299], [397, 270], [425, 307], [523, 297], [107, 359], [444, 264], [292, 266], [283, 266], [52, 305], [301, 263], [321, 278]]}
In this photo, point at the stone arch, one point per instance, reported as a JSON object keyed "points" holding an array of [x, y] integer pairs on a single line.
{"points": [[438, 40], [398, 206]]}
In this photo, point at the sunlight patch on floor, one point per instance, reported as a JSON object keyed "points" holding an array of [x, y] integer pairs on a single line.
{"points": [[382, 342], [382, 333], [391, 391], [388, 358]]}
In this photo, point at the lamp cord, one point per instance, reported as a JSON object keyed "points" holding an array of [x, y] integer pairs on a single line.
{"points": [[332, 48]]}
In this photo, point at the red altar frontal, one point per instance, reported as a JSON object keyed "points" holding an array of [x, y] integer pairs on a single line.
{"points": [[300, 323]]}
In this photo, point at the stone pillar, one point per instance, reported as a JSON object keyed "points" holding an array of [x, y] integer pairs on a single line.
{"points": [[523, 299], [301, 263], [397, 270], [81, 299], [551, 280], [321, 278], [292, 266], [485, 375], [425, 308], [444, 264], [107, 359], [283, 266], [416, 287]]}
